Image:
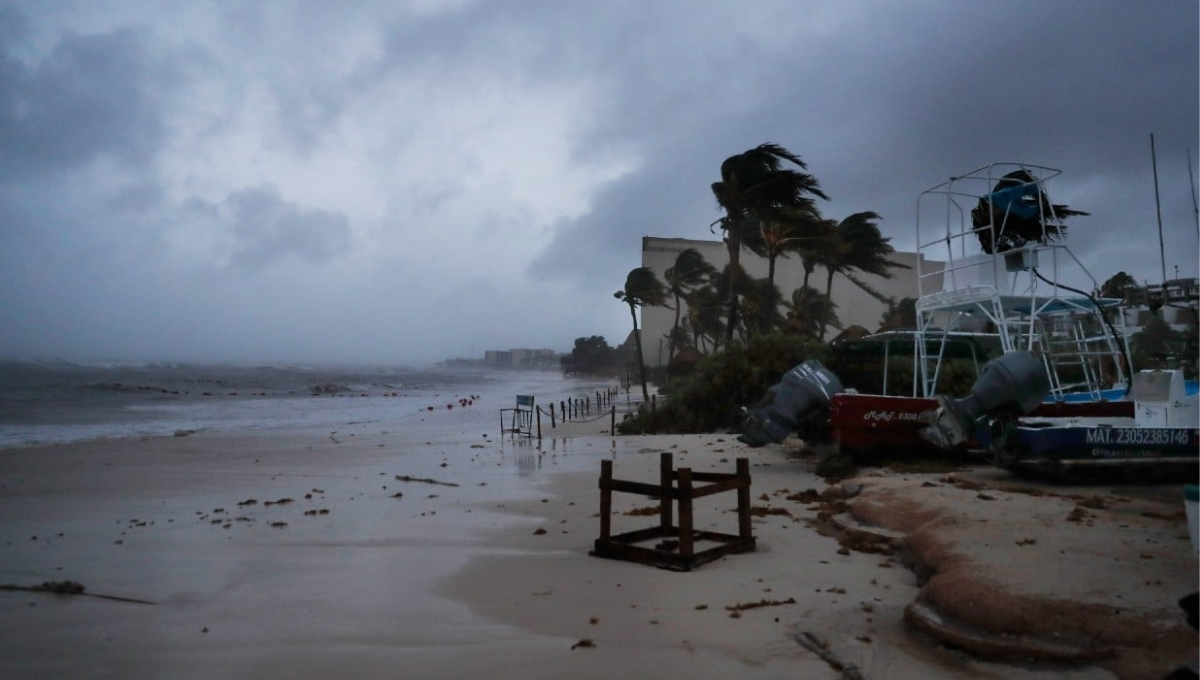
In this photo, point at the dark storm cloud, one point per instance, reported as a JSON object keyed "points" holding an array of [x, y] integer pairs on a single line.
{"points": [[895, 101], [265, 167], [94, 95]]}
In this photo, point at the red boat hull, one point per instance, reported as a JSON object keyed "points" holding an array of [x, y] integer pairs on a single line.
{"points": [[877, 423]]}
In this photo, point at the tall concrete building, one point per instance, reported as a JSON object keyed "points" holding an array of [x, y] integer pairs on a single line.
{"points": [[854, 306]]}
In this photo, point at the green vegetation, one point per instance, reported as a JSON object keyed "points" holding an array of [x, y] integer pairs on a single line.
{"points": [[735, 335], [712, 396]]}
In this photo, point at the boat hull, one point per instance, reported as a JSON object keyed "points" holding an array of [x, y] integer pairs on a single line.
{"points": [[1071, 452], [872, 423]]}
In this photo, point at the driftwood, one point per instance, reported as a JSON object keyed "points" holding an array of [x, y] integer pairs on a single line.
{"points": [[68, 588], [424, 480], [816, 645]]}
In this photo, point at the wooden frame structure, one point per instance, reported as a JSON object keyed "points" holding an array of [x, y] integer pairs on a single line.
{"points": [[675, 486]]}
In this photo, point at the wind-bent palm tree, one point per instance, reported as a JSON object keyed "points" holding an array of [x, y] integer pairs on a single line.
{"points": [[705, 306], [642, 287], [755, 186], [863, 249], [807, 310], [760, 300], [691, 271], [790, 231]]}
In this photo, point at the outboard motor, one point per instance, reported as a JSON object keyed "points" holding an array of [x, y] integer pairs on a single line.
{"points": [[804, 393], [1014, 382]]}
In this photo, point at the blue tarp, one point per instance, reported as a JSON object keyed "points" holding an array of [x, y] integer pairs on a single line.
{"points": [[1013, 200]]}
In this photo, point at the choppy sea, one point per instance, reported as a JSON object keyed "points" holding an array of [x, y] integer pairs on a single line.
{"points": [[60, 402]]}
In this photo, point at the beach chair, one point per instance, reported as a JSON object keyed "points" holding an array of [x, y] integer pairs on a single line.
{"points": [[521, 421]]}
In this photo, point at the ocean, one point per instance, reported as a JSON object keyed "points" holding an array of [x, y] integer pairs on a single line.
{"points": [[45, 403]]}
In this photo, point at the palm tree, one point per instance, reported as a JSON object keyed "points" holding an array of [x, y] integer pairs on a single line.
{"points": [[691, 271], [862, 249], [1119, 285], [807, 310], [755, 186], [790, 231], [704, 316], [642, 287], [760, 299], [813, 252]]}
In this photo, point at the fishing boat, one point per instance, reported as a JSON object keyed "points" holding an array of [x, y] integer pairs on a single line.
{"points": [[1022, 304], [1025, 293], [974, 306], [886, 419], [1160, 442]]}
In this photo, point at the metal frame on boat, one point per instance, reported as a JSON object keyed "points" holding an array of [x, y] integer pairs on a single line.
{"points": [[1025, 291]]}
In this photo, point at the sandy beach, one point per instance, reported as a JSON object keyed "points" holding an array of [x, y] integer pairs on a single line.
{"points": [[442, 549]]}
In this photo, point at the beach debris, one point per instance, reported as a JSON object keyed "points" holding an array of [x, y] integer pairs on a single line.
{"points": [[585, 643], [539, 531], [806, 496], [279, 525], [815, 644], [763, 511], [281, 501], [743, 606], [1093, 502], [68, 588], [423, 480]]}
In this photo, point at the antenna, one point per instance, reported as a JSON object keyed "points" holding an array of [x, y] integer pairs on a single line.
{"points": [[1192, 186], [1158, 209]]}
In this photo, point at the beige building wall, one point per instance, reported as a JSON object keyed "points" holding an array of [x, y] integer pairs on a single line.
{"points": [[854, 306]]}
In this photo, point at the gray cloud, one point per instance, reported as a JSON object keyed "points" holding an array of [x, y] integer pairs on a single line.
{"points": [[365, 181], [266, 229], [93, 96]]}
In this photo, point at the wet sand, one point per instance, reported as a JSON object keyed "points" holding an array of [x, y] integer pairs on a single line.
{"points": [[443, 550]]}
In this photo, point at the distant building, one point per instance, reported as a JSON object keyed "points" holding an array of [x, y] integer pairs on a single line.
{"points": [[534, 358], [520, 358], [854, 305], [1180, 310], [495, 358]]}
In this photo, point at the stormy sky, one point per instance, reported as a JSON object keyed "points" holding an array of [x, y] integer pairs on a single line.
{"points": [[402, 182]]}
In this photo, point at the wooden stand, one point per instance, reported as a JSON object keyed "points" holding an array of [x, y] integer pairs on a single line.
{"points": [[679, 553]]}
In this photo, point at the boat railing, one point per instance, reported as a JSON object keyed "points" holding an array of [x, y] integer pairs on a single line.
{"points": [[945, 232]]}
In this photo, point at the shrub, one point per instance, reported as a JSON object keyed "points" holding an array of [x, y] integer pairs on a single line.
{"points": [[711, 398]]}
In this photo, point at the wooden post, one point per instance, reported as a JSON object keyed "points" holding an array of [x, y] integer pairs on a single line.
{"points": [[605, 500], [666, 502], [539, 422], [552, 423], [743, 499], [654, 414], [612, 428], [686, 549], [562, 405]]}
